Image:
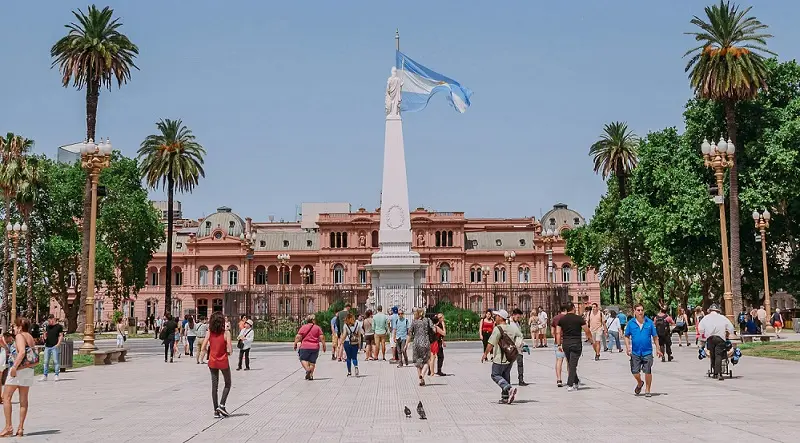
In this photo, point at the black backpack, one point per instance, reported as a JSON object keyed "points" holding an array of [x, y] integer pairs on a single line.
{"points": [[662, 328], [431, 332]]}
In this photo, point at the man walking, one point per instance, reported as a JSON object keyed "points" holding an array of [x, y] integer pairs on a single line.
{"points": [[52, 344], [562, 311], [640, 335], [400, 337], [716, 328], [168, 334], [568, 339], [379, 323], [501, 366], [516, 315], [597, 328], [663, 322], [542, 342], [201, 330]]}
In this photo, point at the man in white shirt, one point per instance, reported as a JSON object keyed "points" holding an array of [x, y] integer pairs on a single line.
{"points": [[542, 342], [715, 328], [516, 315]]}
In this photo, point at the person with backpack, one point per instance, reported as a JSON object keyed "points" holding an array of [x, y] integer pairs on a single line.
{"points": [[663, 321], [516, 316], [350, 341], [504, 345], [742, 320], [777, 322]]}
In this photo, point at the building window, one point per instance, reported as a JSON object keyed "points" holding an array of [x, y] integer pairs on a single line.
{"points": [[233, 276], [500, 274], [333, 240], [98, 310], [261, 276], [474, 244], [501, 302], [344, 239], [307, 306], [203, 276], [498, 242], [475, 274], [438, 236], [262, 243], [178, 245], [525, 303], [217, 235], [208, 225], [286, 243], [218, 276], [522, 242], [374, 239], [524, 274], [566, 270], [582, 275], [73, 279], [449, 238], [476, 304], [338, 274], [444, 273], [176, 307], [231, 227], [178, 278], [309, 243], [284, 306], [362, 276], [153, 279]]}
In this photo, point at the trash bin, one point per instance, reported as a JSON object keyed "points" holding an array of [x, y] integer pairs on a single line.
{"points": [[796, 324], [66, 351]]}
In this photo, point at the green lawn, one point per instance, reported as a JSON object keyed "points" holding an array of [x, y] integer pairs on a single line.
{"points": [[78, 361], [784, 350]]}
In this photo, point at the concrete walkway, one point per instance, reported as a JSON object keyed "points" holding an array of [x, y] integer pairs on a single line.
{"points": [[147, 400]]}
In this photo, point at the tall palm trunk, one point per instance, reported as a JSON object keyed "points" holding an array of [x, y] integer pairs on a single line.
{"points": [[170, 219], [736, 264], [92, 95], [29, 265], [626, 249], [6, 261]]}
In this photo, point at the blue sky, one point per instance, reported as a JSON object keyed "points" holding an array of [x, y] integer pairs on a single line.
{"points": [[287, 97]]}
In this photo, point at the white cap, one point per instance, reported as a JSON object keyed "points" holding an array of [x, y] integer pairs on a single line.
{"points": [[501, 313]]}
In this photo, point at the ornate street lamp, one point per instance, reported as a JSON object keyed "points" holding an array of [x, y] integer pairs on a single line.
{"points": [[486, 270], [94, 158], [549, 236], [305, 273], [719, 157], [14, 233], [762, 224], [283, 259], [249, 241], [510, 256]]}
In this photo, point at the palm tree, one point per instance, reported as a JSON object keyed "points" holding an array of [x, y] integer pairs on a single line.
{"points": [[92, 55], [171, 159], [27, 196], [729, 67], [615, 154], [12, 148]]}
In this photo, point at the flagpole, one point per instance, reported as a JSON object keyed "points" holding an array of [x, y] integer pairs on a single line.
{"points": [[397, 39]]}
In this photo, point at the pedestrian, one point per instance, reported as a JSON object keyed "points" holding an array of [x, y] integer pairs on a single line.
{"points": [[159, 326], [244, 343], [200, 331], [191, 334], [682, 326], [393, 343], [350, 341], [433, 336], [716, 329], [24, 357], [334, 337], [168, 336], [501, 364], [640, 335], [120, 335], [570, 343], [542, 328], [698, 317], [53, 336], [486, 326], [533, 326], [420, 328], [440, 356], [762, 318], [380, 325], [623, 320], [400, 338], [597, 328], [309, 336], [217, 345], [777, 322], [369, 335], [185, 335], [562, 311], [6, 343], [341, 316], [516, 316], [663, 321], [178, 337], [613, 326]]}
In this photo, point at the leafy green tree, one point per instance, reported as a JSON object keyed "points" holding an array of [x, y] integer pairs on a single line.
{"points": [[171, 159], [26, 196], [92, 54], [729, 67]]}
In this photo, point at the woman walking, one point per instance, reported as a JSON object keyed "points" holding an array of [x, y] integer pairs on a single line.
{"points": [[351, 337], [245, 342], [217, 346], [682, 326], [420, 328], [191, 334], [698, 316], [309, 336], [369, 337], [486, 327], [20, 376], [121, 333]]}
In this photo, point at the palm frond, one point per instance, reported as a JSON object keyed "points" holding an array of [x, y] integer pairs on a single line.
{"points": [[172, 153]]}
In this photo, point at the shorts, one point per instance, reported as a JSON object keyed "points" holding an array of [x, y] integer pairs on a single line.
{"points": [[369, 339], [777, 324], [24, 378], [392, 341], [559, 354], [380, 337], [641, 363], [598, 335], [334, 341], [680, 329], [309, 355]]}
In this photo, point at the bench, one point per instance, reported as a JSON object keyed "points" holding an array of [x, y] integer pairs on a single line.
{"points": [[106, 356], [748, 338]]}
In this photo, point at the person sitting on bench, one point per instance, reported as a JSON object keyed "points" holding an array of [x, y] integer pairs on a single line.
{"points": [[752, 328]]}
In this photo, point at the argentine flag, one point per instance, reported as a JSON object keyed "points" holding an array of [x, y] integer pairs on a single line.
{"points": [[420, 84]]}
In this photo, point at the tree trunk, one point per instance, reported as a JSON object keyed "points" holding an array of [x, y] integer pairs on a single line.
{"points": [[7, 262], [29, 267], [170, 220], [736, 264], [92, 95], [626, 249]]}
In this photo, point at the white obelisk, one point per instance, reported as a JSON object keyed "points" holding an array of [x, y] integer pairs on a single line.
{"points": [[396, 270]]}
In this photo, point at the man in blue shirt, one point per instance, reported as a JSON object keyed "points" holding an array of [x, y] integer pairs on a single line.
{"points": [[640, 335], [623, 320], [400, 332]]}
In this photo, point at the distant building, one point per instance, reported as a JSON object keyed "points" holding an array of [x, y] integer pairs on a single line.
{"points": [[309, 212], [161, 206], [69, 153]]}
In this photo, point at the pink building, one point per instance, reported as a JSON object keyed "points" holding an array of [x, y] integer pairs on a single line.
{"points": [[235, 265]]}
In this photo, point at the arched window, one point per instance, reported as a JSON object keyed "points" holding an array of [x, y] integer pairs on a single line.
{"points": [[501, 302], [333, 239], [338, 239], [177, 305], [338, 274], [449, 238], [218, 276], [444, 273], [177, 276], [233, 276], [476, 304], [375, 239], [202, 276], [524, 275], [344, 239], [261, 275], [499, 274], [153, 277], [566, 272], [582, 275], [231, 227], [475, 274], [438, 236]]}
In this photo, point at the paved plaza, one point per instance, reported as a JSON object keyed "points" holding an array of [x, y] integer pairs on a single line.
{"points": [[147, 400]]}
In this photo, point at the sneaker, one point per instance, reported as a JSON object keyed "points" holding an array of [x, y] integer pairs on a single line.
{"points": [[56, 378], [597, 357], [670, 358], [560, 384], [647, 395], [522, 383], [44, 378], [356, 371], [511, 394], [224, 412], [217, 414], [570, 388], [502, 401]]}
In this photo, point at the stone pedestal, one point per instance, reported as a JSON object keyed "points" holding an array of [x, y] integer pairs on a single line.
{"points": [[395, 269]]}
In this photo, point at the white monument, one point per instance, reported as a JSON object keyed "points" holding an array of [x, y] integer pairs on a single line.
{"points": [[396, 270]]}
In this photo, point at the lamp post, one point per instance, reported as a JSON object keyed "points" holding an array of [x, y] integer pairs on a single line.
{"points": [[510, 256], [548, 237], [94, 158], [283, 259], [762, 224], [486, 270], [719, 156], [305, 273], [14, 233], [248, 240]]}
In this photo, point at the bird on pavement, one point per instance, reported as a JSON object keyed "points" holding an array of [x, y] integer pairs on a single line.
{"points": [[421, 411], [407, 411]]}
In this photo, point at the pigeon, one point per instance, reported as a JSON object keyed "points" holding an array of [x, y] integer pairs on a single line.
{"points": [[407, 411], [421, 411]]}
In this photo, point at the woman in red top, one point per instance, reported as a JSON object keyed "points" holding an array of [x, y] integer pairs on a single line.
{"points": [[309, 336], [217, 345], [487, 326]]}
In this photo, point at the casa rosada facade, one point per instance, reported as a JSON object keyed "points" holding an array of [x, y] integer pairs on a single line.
{"points": [[286, 269]]}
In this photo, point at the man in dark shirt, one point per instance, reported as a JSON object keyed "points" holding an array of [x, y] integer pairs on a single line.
{"points": [[168, 332], [568, 339], [559, 353], [52, 343]]}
